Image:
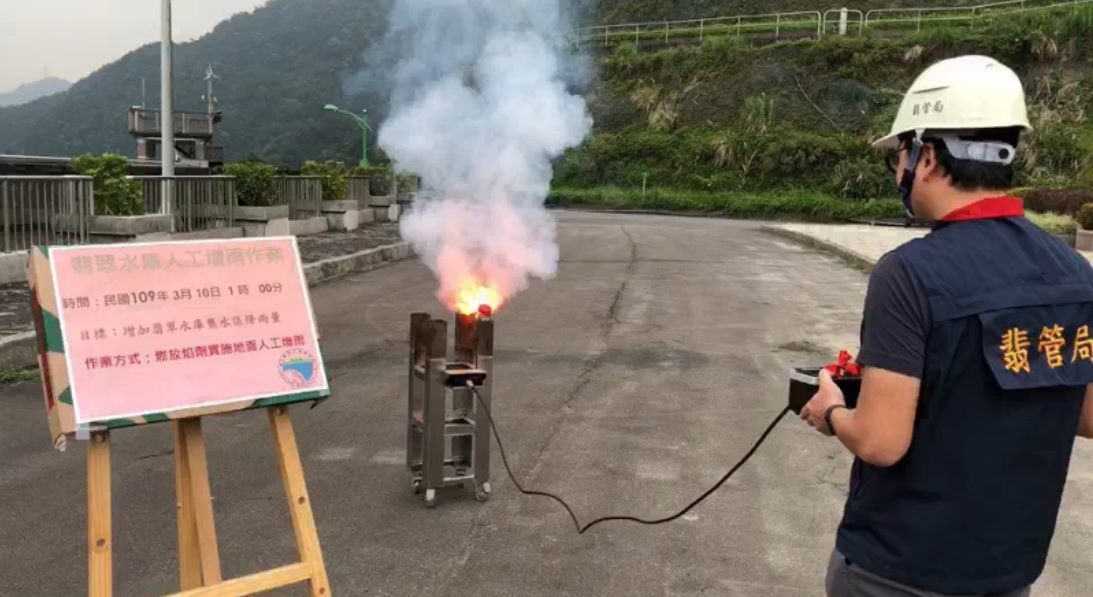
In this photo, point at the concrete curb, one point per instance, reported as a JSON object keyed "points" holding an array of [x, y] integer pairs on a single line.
{"points": [[19, 351], [336, 267], [854, 258]]}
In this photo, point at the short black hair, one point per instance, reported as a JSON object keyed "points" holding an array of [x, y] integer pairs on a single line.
{"points": [[969, 175]]}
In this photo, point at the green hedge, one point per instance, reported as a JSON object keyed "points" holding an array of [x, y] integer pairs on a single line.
{"points": [[715, 160], [255, 183], [115, 195], [335, 177], [776, 204]]}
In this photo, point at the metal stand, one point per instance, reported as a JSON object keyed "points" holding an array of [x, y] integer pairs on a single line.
{"points": [[448, 443]]}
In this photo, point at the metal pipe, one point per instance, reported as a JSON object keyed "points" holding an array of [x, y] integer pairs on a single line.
{"points": [[167, 109], [6, 216]]}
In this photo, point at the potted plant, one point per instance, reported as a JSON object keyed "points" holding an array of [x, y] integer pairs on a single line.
{"points": [[1084, 239]]}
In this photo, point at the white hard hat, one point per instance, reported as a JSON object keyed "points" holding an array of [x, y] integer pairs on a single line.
{"points": [[965, 93]]}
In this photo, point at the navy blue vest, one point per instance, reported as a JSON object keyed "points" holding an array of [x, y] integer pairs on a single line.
{"points": [[972, 506]]}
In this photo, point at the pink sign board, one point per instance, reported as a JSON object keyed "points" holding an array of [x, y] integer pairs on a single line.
{"points": [[154, 328]]}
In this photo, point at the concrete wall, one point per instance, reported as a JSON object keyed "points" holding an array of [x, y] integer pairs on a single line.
{"points": [[13, 267]]}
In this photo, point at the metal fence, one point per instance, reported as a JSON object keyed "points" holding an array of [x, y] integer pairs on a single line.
{"points": [[200, 202], [45, 210], [918, 18], [843, 21], [796, 25], [809, 24], [358, 190], [302, 194]]}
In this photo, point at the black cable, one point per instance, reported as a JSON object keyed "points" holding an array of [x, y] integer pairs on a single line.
{"points": [[581, 529]]}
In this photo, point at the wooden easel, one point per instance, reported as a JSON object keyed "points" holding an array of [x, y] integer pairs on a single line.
{"points": [[198, 555]]}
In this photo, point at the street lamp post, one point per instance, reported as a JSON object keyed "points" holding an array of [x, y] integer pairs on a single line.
{"points": [[362, 121], [167, 111]]}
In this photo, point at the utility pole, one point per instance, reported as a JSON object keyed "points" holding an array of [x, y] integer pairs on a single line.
{"points": [[167, 109]]}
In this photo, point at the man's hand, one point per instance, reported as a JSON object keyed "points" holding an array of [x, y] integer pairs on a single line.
{"points": [[828, 395]]}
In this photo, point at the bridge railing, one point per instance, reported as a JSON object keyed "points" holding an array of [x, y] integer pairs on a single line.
{"points": [[45, 210], [302, 194], [199, 202], [358, 190]]}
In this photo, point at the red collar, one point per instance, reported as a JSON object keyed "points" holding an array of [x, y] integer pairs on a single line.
{"points": [[986, 209]]}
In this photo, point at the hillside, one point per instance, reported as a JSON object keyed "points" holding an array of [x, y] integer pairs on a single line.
{"points": [[29, 92], [727, 116], [280, 65], [662, 110]]}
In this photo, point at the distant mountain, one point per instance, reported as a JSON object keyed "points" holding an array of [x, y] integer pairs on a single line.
{"points": [[279, 65], [29, 92]]}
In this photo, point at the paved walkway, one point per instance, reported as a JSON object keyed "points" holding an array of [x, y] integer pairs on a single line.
{"points": [[15, 298], [858, 243], [628, 384]]}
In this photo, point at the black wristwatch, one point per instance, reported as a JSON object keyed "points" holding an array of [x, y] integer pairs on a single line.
{"points": [[827, 416]]}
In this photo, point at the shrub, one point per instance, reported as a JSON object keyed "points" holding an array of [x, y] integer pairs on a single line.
{"points": [[379, 178], [625, 56], [790, 203], [1054, 223], [115, 195], [407, 182], [795, 157], [1085, 216], [255, 183], [862, 178], [335, 177], [1064, 201], [1085, 178]]}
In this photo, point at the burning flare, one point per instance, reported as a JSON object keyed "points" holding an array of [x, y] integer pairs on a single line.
{"points": [[472, 295]]}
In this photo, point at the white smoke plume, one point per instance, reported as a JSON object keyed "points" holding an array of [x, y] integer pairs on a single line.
{"points": [[479, 108]]}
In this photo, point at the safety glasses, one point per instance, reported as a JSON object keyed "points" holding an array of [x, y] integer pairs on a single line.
{"points": [[892, 160]]}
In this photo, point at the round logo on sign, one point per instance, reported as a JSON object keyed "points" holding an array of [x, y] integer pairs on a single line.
{"points": [[297, 367]]}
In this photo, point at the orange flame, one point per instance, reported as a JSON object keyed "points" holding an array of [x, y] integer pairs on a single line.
{"points": [[472, 295]]}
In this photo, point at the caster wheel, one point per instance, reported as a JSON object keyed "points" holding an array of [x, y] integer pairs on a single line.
{"points": [[482, 493], [415, 486], [430, 498]]}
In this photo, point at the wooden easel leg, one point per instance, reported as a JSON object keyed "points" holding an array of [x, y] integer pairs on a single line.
{"points": [[99, 541], [189, 552], [200, 499], [299, 504]]}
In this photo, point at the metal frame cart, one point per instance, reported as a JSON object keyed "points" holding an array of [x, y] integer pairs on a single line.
{"points": [[448, 443]]}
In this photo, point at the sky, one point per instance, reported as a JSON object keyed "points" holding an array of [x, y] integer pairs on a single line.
{"points": [[72, 38]]}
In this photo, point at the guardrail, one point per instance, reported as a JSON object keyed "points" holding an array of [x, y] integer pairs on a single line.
{"points": [[302, 194], [199, 202], [791, 25], [785, 24], [843, 21], [906, 18], [45, 210]]}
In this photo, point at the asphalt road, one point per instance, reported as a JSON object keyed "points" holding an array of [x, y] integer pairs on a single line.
{"points": [[628, 384]]}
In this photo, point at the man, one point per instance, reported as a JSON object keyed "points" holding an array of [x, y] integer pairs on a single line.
{"points": [[977, 356]]}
